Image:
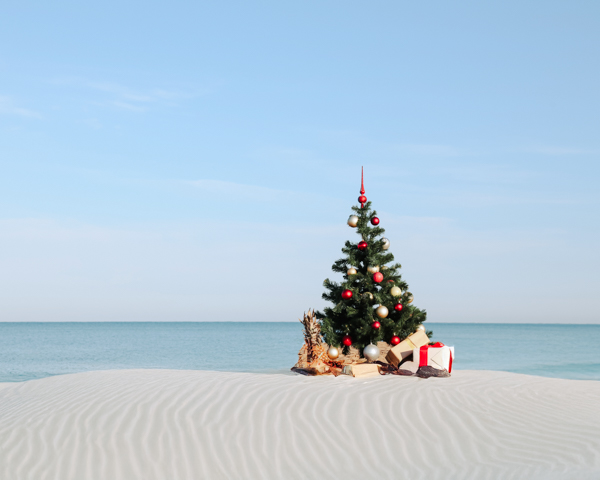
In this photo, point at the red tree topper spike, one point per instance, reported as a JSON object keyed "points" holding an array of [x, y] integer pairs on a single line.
{"points": [[362, 182], [362, 199]]}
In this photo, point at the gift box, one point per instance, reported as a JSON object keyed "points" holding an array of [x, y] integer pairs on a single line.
{"points": [[362, 370], [438, 356], [405, 348]]}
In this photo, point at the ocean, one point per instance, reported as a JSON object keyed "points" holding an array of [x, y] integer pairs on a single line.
{"points": [[37, 350]]}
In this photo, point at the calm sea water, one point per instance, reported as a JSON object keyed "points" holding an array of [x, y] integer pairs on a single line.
{"points": [[37, 350]]}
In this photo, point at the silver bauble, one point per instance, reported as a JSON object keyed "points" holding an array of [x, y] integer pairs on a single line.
{"points": [[373, 269], [382, 311], [333, 353], [351, 271], [395, 291], [386, 243], [420, 327], [371, 352], [353, 221]]}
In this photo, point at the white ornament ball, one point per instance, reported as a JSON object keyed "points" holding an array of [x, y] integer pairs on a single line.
{"points": [[420, 327], [373, 269], [353, 221], [371, 352], [386, 243], [395, 291], [333, 353], [351, 271], [382, 311]]}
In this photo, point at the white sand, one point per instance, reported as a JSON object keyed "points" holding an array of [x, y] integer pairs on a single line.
{"points": [[174, 425]]}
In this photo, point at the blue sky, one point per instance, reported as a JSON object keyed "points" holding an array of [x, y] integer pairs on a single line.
{"points": [[190, 161]]}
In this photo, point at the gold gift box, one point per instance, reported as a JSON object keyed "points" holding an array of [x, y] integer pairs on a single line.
{"points": [[405, 348], [362, 370]]}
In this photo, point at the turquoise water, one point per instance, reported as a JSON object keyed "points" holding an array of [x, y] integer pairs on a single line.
{"points": [[37, 350]]}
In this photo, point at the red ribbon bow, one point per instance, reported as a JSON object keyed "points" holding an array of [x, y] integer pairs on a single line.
{"points": [[423, 354]]}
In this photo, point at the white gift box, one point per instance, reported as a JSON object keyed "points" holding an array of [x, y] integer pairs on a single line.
{"points": [[437, 356]]}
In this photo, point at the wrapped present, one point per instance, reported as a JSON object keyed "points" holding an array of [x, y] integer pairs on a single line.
{"points": [[438, 356], [362, 370], [405, 348]]}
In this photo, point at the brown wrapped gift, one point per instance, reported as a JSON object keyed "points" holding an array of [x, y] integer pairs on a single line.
{"points": [[362, 370], [405, 348]]}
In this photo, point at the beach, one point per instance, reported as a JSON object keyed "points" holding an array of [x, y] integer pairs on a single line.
{"points": [[190, 424]]}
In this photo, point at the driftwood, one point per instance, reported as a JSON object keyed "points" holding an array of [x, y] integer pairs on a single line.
{"points": [[312, 357], [426, 372]]}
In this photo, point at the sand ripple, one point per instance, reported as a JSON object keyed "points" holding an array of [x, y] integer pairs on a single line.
{"points": [[175, 425]]}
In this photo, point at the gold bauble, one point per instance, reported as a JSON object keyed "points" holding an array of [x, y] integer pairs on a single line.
{"points": [[382, 311], [420, 327], [353, 221], [410, 298], [396, 291], [351, 271], [373, 269], [333, 353], [368, 295]]}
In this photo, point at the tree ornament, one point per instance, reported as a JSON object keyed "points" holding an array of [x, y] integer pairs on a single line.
{"points": [[395, 291], [390, 281], [420, 327], [347, 340], [368, 295], [386, 243], [346, 294], [378, 277], [382, 311], [373, 269], [362, 245], [371, 352], [353, 221], [375, 221], [410, 298], [333, 353], [351, 271], [362, 199], [376, 325], [398, 307], [395, 340]]}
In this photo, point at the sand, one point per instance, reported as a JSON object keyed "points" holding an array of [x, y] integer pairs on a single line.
{"points": [[173, 425]]}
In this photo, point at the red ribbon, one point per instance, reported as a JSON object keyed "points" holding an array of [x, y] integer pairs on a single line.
{"points": [[423, 354]]}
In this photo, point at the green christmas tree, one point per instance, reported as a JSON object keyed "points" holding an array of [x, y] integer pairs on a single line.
{"points": [[372, 303]]}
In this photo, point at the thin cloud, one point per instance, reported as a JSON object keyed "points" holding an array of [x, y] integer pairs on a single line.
{"points": [[553, 150], [429, 149], [8, 107], [123, 97], [240, 190]]}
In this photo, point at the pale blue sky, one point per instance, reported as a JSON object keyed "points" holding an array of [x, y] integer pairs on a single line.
{"points": [[198, 160]]}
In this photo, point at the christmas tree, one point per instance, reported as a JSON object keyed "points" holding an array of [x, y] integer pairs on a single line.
{"points": [[372, 303]]}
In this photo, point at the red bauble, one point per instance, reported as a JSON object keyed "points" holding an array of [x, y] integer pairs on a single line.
{"points": [[375, 221], [378, 277], [346, 294], [376, 324], [395, 340], [347, 340], [362, 199], [362, 245], [398, 307]]}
